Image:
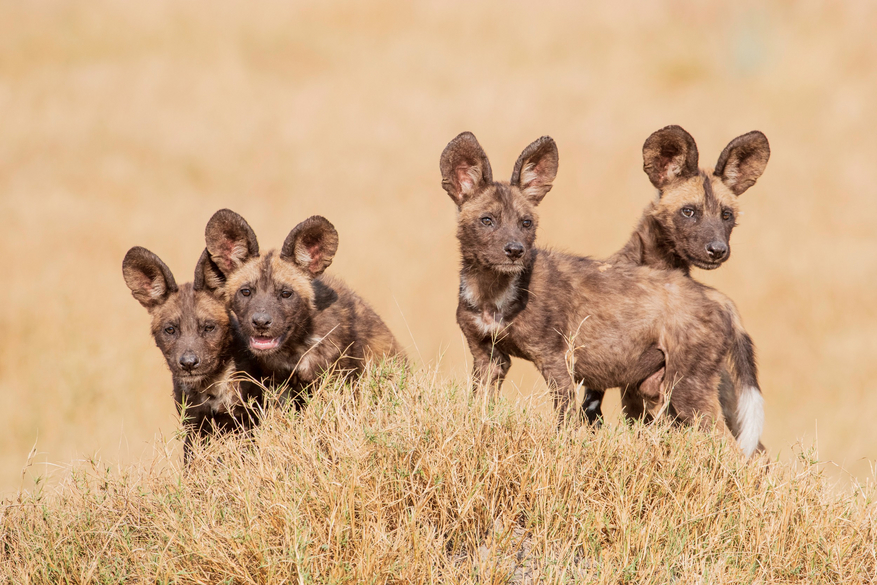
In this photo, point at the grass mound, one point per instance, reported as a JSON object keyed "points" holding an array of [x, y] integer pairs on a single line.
{"points": [[406, 478]]}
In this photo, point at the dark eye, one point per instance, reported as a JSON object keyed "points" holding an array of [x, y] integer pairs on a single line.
{"points": [[487, 221], [727, 215], [170, 330], [527, 223], [209, 328], [285, 294], [688, 212], [245, 292]]}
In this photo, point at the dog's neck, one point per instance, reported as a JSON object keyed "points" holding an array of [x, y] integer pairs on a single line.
{"points": [[489, 291], [650, 245], [209, 388], [294, 359]]}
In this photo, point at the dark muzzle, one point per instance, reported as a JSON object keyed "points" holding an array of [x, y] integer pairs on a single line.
{"points": [[514, 250]]}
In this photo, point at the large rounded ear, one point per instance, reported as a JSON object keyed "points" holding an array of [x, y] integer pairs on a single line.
{"points": [[149, 279], [536, 168], [208, 276], [669, 155], [230, 240], [311, 245], [465, 168], [743, 161]]}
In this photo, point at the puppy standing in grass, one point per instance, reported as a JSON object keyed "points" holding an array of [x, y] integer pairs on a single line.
{"points": [[191, 328], [689, 224], [297, 322], [578, 320]]}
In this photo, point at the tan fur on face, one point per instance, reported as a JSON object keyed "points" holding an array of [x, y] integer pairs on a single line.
{"points": [[207, 308], [246, 274], [283, 272], [691, 192], [288, 274], [506, 205], [171, 312], [724, 195]]}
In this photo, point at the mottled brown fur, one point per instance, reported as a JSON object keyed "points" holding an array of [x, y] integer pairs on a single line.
{"points": [[577, 319], [191, 327], [313, 323], [689, 224]]}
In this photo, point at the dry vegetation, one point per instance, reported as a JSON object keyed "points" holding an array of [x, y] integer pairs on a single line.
{"points": [[410, 479], [130, 123]]}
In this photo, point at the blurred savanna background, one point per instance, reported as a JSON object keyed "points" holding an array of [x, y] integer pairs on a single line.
{"points": [[131, 123]]}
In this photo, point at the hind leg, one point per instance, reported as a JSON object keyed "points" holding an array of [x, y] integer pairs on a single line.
{"points": [[639, 402], [591, 406], [728, 401], [634, 406], [696, 396]]}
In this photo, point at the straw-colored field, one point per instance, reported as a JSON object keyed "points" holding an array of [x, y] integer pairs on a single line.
{"points": [[409, 479], [130, 123]]}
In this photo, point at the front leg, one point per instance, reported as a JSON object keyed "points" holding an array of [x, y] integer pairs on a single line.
{"points": [[489, 365], [187, 421], [561, 384]]}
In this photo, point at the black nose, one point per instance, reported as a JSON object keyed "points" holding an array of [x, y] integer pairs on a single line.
{"points": [[261, 319], [717, 250], [514, 250], [189, 360]]}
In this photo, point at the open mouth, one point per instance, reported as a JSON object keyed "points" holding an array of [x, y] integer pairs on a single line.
{"points": [[264, 343]]}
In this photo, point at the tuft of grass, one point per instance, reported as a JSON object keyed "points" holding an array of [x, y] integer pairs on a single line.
{"points": [[405, 477]]}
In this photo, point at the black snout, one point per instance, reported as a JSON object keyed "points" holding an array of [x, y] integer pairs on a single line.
{"points": [[189, 361], [261, 319], [717, 250], [514, 250]]}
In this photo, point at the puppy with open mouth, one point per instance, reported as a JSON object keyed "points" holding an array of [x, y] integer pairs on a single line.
{"points": [[298, 322]]}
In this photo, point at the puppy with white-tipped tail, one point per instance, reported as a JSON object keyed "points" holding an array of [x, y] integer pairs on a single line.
{"points": [[689, 224]]}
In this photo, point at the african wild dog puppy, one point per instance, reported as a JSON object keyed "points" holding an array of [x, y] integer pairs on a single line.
{"points": [[689, 224], [578, 320], [191, 328], [297, 323]]}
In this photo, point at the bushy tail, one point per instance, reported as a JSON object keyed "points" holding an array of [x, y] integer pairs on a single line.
{"points": [[748, 416]]}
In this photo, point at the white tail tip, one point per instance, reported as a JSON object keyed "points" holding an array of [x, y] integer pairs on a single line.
{"points": [[750, 419]]}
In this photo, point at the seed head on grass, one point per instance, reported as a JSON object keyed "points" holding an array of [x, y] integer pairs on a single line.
{"points": [[404, 477]]}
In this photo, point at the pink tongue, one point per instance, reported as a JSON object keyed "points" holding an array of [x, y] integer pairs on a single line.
{"points": [[263, 342]]}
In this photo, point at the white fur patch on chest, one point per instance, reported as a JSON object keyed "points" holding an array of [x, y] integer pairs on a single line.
{"points": [[490, 321]]}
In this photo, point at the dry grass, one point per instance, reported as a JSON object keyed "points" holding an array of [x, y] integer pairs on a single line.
{"points": [[409, 478], [130, 123]]}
